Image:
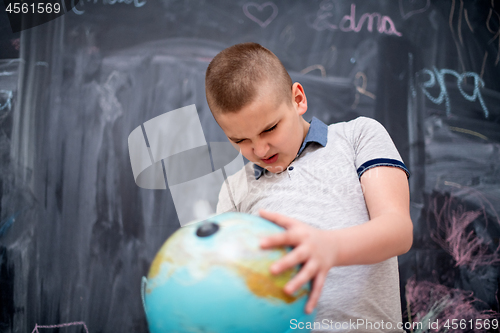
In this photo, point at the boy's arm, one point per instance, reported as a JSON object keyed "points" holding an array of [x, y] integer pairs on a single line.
{"points": [[388, 233]]}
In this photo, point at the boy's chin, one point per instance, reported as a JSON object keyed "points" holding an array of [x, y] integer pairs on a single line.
{"points": [[274, 168]]}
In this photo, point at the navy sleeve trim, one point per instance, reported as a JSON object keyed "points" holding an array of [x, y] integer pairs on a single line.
{"points": [[382, 162]]}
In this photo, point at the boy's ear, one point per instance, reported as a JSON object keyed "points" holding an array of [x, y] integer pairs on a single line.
{"points": [[299, 98]]}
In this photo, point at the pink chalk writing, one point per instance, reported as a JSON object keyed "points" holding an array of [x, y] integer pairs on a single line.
{"points": [[76, 323], [451, 234], [382, 23], [16, 43], [432, 303]]}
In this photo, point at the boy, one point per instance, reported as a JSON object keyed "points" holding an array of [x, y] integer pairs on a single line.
{"points": [[340, 191]]}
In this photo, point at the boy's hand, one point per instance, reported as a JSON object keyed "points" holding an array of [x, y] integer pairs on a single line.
{"points": [[312, 247]]}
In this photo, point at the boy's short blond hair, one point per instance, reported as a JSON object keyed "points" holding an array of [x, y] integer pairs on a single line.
{"points": [[234, 75]]}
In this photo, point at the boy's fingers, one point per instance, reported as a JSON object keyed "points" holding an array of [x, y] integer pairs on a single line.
{"points": [[305, 274], [272, 241], [279, 219], [281, 239], [295, 257], [319, 280]]}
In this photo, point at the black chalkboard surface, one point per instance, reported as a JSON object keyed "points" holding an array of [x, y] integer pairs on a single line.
{"points": [[76, 232]]}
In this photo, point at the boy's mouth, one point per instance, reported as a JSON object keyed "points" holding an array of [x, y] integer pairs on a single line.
{"points": [[271, 159]]}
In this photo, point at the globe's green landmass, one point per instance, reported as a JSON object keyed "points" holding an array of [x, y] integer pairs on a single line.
{"points": [[221, 282]]}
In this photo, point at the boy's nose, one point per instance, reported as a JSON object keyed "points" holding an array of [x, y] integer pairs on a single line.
{"points": [[260, 148]]}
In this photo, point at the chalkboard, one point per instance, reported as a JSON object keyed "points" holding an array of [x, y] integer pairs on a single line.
{"points": [[77, 233]]}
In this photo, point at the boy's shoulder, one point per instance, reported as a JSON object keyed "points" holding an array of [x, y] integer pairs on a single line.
{"points": [[353, 128], [357, 123]]}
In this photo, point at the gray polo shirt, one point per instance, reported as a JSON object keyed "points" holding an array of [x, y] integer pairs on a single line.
{"points": [[321, 188]]}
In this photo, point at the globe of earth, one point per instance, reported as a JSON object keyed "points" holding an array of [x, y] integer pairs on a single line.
{"points": [[212, 276]]}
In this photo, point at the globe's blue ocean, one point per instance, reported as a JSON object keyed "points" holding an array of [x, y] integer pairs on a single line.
{"points": [[212, 277]]}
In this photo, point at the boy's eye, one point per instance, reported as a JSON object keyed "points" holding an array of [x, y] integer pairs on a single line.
{"points": [[272, 128], [269, 130]]}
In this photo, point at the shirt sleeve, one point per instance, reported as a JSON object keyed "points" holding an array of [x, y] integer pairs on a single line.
{"points": [[373, 146]]}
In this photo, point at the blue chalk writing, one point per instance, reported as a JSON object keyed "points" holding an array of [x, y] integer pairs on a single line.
{"points": [[438, 75], [6, 224], [81, 4], [5, 100]]}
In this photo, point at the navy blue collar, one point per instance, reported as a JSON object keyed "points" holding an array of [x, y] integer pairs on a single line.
{"points": [[318, 132]]}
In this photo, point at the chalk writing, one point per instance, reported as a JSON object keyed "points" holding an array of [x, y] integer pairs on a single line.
{"points": [[436, 303], [421, 6], [450, 22], [324, 13], [260, 8], [348, 23], [451, 234], [459, 24], [382, 22], [6, 224], [313, 67], [81, 4], [76, 323], [468, 131], [109, 103], [438, 75], [287, 35], [467, 20], [497, 33], [5, 100], [333, 55], [361, 89], [480, 197], [484, 63], [17, 42]]}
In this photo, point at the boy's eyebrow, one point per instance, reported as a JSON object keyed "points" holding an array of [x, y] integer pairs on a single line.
{"points": [[266, 128]]}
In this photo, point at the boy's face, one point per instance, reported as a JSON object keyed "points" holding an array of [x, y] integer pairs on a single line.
{"points": [[268, 134]]}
